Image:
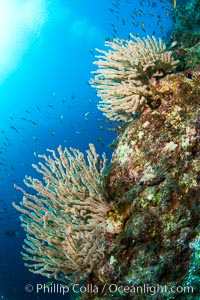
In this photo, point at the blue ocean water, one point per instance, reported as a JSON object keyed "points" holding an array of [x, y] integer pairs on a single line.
{"points": [[47, 50]]}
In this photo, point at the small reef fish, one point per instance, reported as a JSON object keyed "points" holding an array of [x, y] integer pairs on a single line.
{"points": [[61, 119], [173, 44], [73, 96], [50, 106], [141, 3], [91, 52], [143, 27], [151, 14], [174, 2], [12, 233], [29, 120], [35, 139], [14, 128], [78, 132], [100, 140], [101, 127], [124, 21], [85, 116]]}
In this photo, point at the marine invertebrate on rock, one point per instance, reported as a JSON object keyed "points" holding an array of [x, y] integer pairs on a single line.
{"points": [[154, 174], [66, 221], [123, 80]]}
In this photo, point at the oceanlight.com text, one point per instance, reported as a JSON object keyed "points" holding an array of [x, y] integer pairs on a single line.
{"points": [[150, 289]]}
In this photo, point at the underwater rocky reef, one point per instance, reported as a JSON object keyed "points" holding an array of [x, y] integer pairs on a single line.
{"points": [[186, 33], [135, 222], [154, 179]]}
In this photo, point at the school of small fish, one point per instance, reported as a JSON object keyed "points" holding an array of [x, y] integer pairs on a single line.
{"points": [[24, 133]]}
